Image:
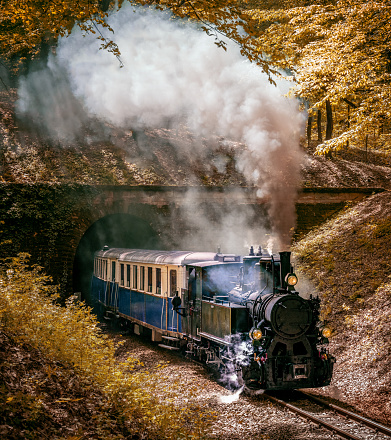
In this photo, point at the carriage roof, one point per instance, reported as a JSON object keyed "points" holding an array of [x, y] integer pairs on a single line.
{"points": [[179, 258]]}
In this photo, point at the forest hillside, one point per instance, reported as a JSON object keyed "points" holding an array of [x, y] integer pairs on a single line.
{"points": [[347, 260], [338, 54], [161, 157]]}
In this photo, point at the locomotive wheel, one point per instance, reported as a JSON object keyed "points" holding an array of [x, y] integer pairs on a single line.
{"points": [[253, 376], [230, 372]]}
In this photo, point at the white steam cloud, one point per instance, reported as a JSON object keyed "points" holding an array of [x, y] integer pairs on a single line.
{"points": [[173, 75]]}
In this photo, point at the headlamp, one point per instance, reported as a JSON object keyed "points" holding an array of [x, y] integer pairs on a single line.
{"points": [[326, 332], [291, 279], [255, 334]]}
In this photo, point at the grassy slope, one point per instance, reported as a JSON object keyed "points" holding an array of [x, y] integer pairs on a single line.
{"points": [[348, 260], [154, 157], [41, 398]]}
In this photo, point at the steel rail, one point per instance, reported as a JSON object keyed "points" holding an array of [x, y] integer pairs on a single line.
{"points": [[368, 422], [305, 414]]}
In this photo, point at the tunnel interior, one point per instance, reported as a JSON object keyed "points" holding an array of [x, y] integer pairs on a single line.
{"points": [[116, 230]]}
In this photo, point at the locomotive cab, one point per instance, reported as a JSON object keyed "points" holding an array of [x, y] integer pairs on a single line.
{"points": [[268, 270], [267, 273], [208, 310]]}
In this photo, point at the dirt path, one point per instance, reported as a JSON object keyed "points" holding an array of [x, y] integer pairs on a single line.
{"points": [[237, 416]]}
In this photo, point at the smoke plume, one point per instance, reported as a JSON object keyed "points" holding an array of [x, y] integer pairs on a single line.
{"points": [[173, 75]]}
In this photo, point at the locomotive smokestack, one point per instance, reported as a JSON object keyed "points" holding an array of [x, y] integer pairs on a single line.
{"points": [[285, 262]]}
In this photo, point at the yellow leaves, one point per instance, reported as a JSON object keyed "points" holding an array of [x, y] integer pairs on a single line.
{"points": [[66, 400], [71, 336], [24, 25]]}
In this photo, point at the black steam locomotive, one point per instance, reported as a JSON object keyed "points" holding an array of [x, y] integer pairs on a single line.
{"points": [[242, 316]]}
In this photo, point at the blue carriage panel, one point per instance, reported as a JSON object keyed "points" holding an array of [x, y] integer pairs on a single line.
{"points": [[154, 311], [173, 319], [137, 306], [98, 288], [95, 289], [102, 291], [108, 290], [124, 301], [112, 295]]}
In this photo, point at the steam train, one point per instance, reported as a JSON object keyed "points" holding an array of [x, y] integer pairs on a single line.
{"points": [[241, 315]]}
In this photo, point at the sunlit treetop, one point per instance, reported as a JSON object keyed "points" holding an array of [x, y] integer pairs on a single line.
{"points": [[338, 51], [28, 25], [335, 51]]}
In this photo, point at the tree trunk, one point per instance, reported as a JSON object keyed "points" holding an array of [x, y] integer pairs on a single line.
{"points": [[319, 124], [329, 126], [104, 5], [347, 142], [366, 148], [329, 121], [309, 129]]}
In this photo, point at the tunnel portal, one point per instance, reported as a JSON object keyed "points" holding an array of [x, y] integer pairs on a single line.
{"points": [[116, 230]]}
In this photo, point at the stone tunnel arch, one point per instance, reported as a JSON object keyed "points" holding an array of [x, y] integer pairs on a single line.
{"points": [[114, 230], [58, 224]]}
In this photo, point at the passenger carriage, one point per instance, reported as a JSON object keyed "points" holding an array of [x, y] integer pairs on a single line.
{"points": [[138, 286]]}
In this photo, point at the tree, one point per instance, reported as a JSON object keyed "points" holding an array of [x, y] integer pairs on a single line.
{"points": [[339, 53], [26, 26]]}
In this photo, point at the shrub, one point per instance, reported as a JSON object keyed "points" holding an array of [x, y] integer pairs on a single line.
{"points": [[70, 335]]}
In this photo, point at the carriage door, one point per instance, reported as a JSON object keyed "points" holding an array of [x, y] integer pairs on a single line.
{"points": [[195, 297]]}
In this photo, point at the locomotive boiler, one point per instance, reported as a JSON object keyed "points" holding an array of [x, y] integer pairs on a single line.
{"points": [[241, 316]]}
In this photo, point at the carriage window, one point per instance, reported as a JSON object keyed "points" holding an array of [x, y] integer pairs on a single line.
{"points": [[105, 270], [134, 277], [113, 270], [265, 274], [192, 283], [122, 266], [158, 281], [173, 283], [128, 275], [149, 279], [142, 278]]}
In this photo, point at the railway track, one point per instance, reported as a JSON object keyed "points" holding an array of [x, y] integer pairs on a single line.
{"points": [[340, 421]]}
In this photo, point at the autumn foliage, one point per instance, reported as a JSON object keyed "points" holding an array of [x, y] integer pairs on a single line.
{"points": [[337, 54], [27, 25]]}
